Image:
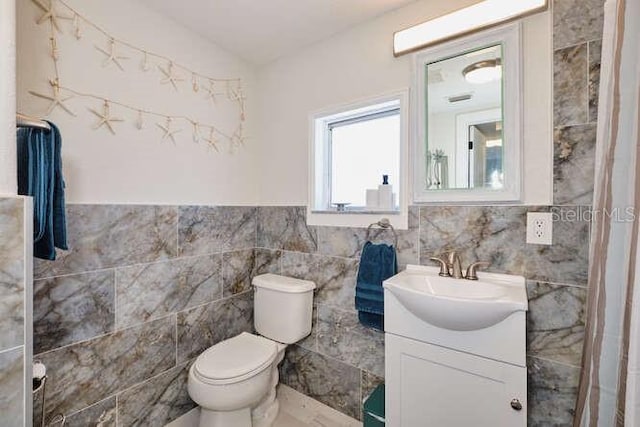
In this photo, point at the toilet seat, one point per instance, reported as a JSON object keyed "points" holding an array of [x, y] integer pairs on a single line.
{"points": [[235, 359]]}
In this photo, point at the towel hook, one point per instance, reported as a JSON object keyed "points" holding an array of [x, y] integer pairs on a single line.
{"points": [[384, 224]]}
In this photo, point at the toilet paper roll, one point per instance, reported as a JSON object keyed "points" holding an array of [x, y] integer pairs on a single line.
{"points": [[39, 370]]}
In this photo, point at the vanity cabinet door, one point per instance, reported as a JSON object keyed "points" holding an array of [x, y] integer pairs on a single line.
{"points": [[432, 386]]}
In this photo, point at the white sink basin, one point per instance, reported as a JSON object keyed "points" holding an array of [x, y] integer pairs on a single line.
{"points": [[458, 304]]}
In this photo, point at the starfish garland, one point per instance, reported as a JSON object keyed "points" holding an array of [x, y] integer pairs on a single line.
{"points": [[237, 139], [170, 76], [56, 99], [50, 14], [211, 141], [238, 96], [194, 83], [77, 32], [105, 118], [168, 132], [196, 131], [211, 94], [144, 65], [111, 55], [140, 121]]}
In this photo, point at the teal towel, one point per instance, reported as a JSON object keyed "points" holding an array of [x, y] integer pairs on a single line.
{"points": [[40, 176], [377, 263]]}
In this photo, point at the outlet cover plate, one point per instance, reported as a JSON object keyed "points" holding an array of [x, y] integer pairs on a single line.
{"points": [[540, 228]]}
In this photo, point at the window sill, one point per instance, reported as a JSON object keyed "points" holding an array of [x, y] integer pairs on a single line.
{"points": [[399, 219], [356, 212]]}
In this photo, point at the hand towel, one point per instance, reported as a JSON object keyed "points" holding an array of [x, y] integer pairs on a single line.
{"points": [[40, 176], [377, 263]]}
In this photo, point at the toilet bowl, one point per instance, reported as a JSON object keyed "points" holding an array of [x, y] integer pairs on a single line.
{"points": [[231, 380], [234, 382]]}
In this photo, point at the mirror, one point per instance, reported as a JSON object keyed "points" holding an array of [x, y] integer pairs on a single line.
{"points": [[464, 120], [469, 140]]}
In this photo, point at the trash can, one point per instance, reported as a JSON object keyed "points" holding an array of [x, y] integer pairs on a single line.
{"points": [[373, 412]]}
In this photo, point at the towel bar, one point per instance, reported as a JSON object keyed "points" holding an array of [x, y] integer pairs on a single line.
{"points": [[23, 121], [385, 224]]}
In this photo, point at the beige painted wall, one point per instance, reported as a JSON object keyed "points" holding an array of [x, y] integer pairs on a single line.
{"points": [[7, 98], [358, 64], [136, 166]]}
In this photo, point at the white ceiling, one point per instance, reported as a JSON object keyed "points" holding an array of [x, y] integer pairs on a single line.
{"points": [[262, 30], [453, 83]]}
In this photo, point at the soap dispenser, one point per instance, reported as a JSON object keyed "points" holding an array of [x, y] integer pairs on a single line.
{"points": [[385, 194]]}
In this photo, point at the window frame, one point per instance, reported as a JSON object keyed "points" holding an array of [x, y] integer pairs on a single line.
{"points": [[319, 211]]}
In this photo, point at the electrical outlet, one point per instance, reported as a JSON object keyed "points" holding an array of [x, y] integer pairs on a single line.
{"points": [[540, 228]]}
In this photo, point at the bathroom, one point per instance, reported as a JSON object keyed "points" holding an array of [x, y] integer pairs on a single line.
{"points": [[192, 166]]}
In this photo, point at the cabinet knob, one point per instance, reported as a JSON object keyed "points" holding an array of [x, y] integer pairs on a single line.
{"points": [[515, 404]]}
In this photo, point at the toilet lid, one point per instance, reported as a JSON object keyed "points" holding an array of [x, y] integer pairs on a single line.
{"points": [[235, 357]]}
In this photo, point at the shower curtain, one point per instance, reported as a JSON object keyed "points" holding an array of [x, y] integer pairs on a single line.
{"points": [[609, 391]]}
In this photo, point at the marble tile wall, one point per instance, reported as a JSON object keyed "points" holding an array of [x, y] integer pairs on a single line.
{"points": [[555, 342], [13, 347], [577, 34], [119, 318], [341, 361]]}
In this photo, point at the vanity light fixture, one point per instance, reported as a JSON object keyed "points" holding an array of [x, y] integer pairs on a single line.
{"points": [[479, 16], [483, 71]]}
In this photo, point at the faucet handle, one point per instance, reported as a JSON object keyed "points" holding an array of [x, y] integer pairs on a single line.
{"points": [[471, 271], [444, 267]]}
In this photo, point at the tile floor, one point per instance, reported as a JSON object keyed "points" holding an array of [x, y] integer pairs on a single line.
{"points": [[296, 410]]}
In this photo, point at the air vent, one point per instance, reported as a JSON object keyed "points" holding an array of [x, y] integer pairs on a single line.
{"points": [[459, 98]]}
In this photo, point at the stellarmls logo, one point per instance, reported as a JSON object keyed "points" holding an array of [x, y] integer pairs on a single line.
{"points": [[588, 214]]}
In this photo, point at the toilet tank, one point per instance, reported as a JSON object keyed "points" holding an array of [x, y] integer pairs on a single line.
{"points": [[282, 307]]}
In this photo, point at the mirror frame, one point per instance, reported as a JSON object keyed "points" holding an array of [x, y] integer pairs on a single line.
{"points": [[511, 39]]}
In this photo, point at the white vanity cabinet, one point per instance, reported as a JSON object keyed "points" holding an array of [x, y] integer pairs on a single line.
{"points": [[428, 385], [453, 378]]}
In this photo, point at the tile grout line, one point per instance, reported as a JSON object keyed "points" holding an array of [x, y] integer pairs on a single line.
{"points": [[178, 231], [587, 97], [7, 350], [87, 340], [176, 342], [92, 405], [553, 361], [115, 300]]}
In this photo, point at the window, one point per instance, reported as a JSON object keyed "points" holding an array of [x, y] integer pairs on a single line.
{"points": [[352, 148], [363, 149]]}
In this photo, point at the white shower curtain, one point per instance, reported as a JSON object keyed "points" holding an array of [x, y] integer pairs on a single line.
{"points": [[609, 393]]}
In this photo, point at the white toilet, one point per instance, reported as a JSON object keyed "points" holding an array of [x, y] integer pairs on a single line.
{"points": [[234, 381]]}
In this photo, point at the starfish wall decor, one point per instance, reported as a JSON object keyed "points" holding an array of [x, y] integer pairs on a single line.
{"points": [[77, 30], [140, 121], [194, 83], [105, 118], [144, 65], [56, 99], [196, 131], [211, 141], [211, 93], [50, 14], [111, 55], [170, 76], [168, 132]]}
